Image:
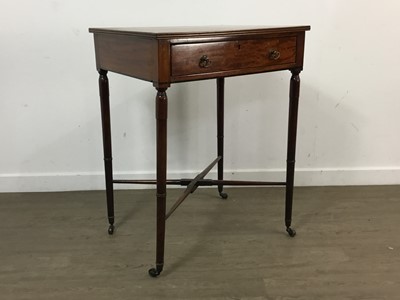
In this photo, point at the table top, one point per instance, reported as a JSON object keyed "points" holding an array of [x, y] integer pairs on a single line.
{"points": [[165, 55], [182, 31]]}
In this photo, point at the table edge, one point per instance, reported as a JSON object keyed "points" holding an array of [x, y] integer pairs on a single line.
{"points": [[194, 33]]}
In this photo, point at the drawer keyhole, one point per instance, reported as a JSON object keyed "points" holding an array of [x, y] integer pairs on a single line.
{"points": [[204, 62]]}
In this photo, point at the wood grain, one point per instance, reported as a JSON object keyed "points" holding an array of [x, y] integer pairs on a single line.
{"points": [[232, 55]]}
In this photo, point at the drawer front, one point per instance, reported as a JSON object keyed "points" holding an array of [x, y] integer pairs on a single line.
{"points": [[199, 58]]}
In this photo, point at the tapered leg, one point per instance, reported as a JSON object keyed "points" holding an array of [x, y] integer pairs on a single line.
{"points": [[161, 117], [291, 149], [220, 133], [106, 127]]}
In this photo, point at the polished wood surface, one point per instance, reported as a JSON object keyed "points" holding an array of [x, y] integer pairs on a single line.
{"points": [[130, 56], [253, 54], [191, 32], [173, 54], [167, 55]]}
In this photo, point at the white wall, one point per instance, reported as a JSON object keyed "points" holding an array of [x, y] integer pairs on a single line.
{"points": [[50, 122]]}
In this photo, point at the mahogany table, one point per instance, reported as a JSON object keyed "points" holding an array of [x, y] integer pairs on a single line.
{"points": [[177, 54]]}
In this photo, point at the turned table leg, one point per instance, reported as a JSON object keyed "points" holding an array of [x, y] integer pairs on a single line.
{"points": [[161, 140], [106, 128], [220, 133], [291, 147]]}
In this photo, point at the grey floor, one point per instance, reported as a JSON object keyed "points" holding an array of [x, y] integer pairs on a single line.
{"points": [[56, 246]]}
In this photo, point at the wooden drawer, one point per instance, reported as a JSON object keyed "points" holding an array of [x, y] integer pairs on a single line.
{"points": [[200, 58]]}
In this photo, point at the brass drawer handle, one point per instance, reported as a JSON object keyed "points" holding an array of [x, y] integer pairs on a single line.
{"points": [[274, 54], [204, 62]]}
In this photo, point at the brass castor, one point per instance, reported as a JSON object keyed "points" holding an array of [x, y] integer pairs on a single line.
{"points": [[291, 232], [111, 229], [154, 272], [223, 195]]}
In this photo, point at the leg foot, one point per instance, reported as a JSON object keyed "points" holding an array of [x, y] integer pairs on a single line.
{"points": [[291, 231], [221, 192], [111, 229], [223, 195], [154, 272]]}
